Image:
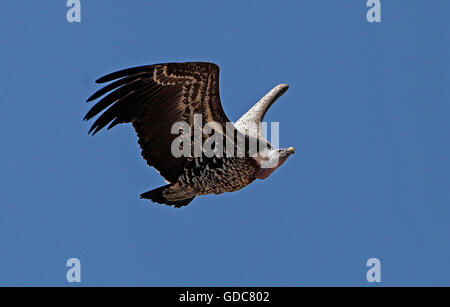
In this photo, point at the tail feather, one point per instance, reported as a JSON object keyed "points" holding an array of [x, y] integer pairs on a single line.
{"points": [[157, 196]]}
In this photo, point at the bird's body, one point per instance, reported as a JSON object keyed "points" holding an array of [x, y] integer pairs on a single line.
{"points": [[155, 98], [216, 177], [213, 177]]}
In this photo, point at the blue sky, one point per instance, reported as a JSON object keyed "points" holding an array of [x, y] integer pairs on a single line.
{"points": [[367, 111]]}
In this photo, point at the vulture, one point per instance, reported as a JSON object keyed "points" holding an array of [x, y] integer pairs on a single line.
{"points": [[154, 98]]}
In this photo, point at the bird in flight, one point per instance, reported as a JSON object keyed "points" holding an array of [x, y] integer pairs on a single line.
{"points": [[155, 98]]}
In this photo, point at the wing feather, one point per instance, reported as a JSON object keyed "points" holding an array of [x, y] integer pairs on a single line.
{"points": [[153, 98]]}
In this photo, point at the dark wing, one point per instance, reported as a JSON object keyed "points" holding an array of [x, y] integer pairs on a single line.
{"points": [[153, 98]]}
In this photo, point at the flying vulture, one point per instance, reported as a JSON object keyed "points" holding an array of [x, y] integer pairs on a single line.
{"points": [[154, 98]]}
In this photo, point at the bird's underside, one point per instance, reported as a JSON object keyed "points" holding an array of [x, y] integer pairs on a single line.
{"points": [[213, 177], [153, 98]]}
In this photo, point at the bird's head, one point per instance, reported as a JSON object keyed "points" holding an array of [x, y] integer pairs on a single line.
{"points": [[269, 161]]}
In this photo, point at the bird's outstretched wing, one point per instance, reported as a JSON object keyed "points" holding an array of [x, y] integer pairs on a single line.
{"points": [[153, 98]]}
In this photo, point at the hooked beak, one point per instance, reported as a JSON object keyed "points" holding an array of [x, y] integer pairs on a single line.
{"points": [[286, 152]]}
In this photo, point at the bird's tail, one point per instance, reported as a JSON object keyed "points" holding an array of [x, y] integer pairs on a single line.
{"points": [[169, 196]]}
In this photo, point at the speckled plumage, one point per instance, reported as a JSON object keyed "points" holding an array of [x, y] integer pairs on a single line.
{"points": [[219, 175]]}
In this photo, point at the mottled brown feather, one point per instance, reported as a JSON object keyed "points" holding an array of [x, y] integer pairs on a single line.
{"points": [[153, 98]]}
